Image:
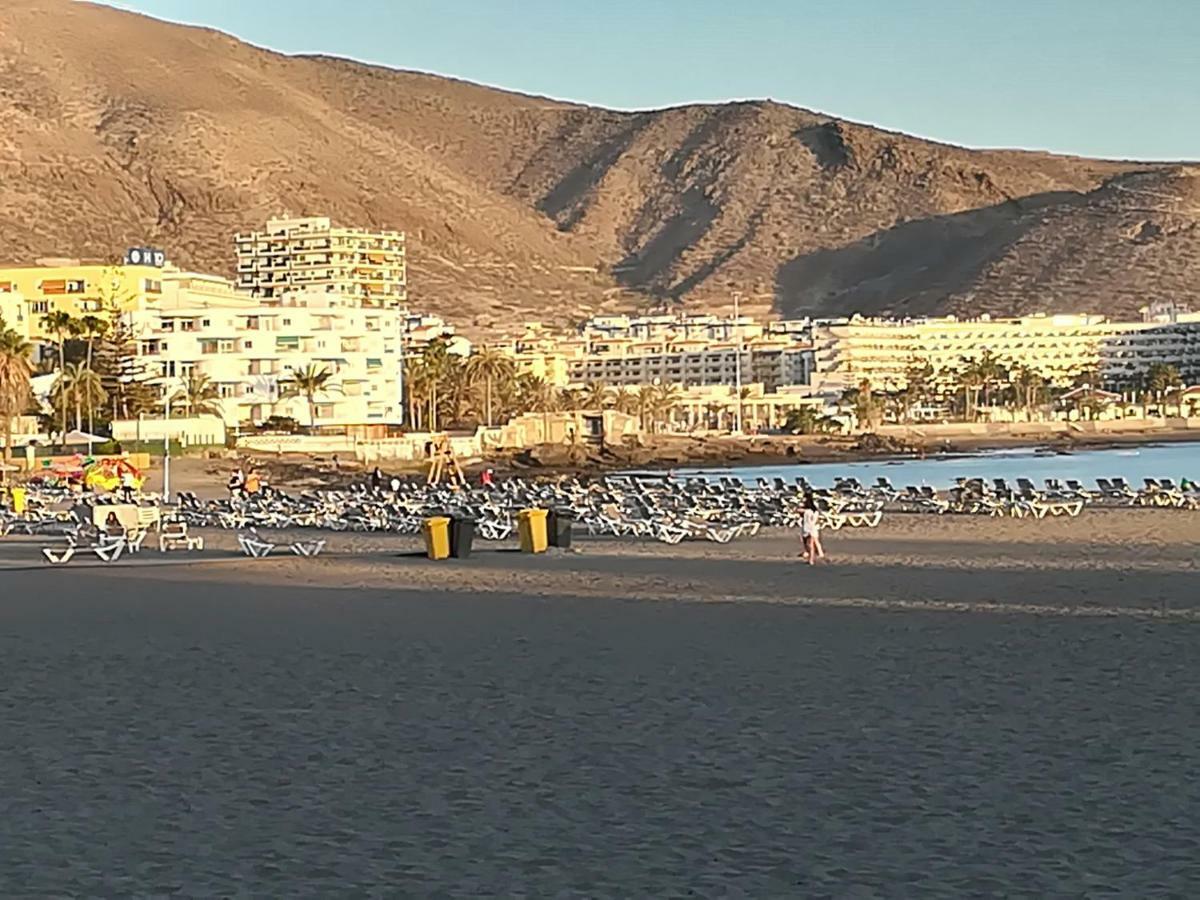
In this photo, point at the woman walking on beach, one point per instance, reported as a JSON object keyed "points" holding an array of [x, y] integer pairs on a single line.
{"points": [[810, 531]]}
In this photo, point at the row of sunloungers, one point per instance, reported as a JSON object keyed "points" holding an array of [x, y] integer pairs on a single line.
{"points": [[109, 546], [660, 509], [996, 497]]}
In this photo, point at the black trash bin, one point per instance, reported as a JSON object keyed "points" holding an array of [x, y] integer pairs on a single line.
{"points": [[558, 528], [462, 536]]}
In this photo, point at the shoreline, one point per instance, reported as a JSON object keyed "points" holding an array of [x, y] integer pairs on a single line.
{"points": [[207, 475], [770, 451]]}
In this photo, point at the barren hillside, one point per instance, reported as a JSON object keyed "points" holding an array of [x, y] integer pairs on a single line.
{"points": [[520, 207]]}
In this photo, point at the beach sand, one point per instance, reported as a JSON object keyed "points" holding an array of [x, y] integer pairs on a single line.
{"points": [[953, 707]]}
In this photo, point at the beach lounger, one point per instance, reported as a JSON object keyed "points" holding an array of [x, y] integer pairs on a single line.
{"points": [[307, 548], [174, 536], [59, 557], [134, 538], [108, 548], [254, 546]]}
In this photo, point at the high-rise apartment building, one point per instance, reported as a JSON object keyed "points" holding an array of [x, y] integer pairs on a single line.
{"points": [[292, 254]]}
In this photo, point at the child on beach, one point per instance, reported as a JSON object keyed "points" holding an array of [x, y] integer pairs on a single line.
{"points": [[810, 531]]}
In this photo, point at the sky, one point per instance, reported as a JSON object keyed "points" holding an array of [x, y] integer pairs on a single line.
{"points": [[1107, 78]]}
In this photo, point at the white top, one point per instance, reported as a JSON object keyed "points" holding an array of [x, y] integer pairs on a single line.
{"points": [[809, 524]]}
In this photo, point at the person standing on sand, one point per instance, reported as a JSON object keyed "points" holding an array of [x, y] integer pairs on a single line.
{"points": [[127, 486], [236, 484], [810, 531]]}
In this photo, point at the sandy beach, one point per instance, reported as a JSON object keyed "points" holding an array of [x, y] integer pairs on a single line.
{"points": [[954, 707]]}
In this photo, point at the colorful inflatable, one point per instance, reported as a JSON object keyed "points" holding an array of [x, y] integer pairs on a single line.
{"points": [[105, 474]]}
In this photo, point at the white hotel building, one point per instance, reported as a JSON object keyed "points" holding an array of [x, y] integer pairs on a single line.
{"points": [[1059, 347], [248, 347]]}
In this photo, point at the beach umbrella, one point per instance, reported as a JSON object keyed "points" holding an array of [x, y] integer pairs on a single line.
{"points": [[82, 437]]}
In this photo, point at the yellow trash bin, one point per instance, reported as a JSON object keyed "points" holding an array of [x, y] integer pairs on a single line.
{"points": [[437, 537], [531, 526], [18, 501]]}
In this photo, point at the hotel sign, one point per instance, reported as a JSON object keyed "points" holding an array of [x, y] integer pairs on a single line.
{"points": [[145, 256]]}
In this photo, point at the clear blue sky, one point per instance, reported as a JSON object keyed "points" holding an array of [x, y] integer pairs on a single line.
{"points": [[1114, 78]]}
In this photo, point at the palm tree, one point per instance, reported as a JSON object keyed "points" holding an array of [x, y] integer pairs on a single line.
{"points": [[60, 325], [1029, 387], [416, 385], [991, 371], [864, 403], [1160, 380], [489, 365], [806, 420], [573, 400], [535, 395], [970, 381], [14, 383], [307, 383], [919, 380], [666, 400], [437, 362], [456, 393], [714, 411], [77, 387], [596, 395], [624, 400], [645, 398], [199, 396], [90, 328]]}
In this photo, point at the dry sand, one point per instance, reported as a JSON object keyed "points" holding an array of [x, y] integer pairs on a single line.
{"points": [[954, 707], [1135, 562]]}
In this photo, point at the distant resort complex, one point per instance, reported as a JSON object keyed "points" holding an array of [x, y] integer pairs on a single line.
{"points": [[314, 334]]}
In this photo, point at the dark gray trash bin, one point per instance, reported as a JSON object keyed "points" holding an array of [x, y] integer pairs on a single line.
{"points": [[558, 528], [462, 536]]}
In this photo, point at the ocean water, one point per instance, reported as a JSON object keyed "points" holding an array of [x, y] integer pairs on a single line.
{"points": [[1132, 463], [162, 737]]}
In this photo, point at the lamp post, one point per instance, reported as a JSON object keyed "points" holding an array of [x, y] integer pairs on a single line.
{"points": [[167, 445], [737, 366]]}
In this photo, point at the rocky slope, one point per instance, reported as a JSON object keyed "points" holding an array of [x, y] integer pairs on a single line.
{"points": [[117, 129]]}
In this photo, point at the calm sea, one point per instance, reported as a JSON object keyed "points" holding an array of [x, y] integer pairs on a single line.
{"points": [[1132, 463]]}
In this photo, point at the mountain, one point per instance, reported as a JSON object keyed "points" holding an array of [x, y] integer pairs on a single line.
{"points": [[117, 130]]}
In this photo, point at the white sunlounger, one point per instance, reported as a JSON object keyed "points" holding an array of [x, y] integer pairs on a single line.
{"points": [[174, 536], [307, 548], [253, 545]]}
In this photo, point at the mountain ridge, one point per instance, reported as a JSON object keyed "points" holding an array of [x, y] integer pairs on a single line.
{"points": [[521, 207]]}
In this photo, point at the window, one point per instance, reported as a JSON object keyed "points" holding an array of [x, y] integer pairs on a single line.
{"points": [[152, 286], [75, 286], [41, 306], [206, 322]]}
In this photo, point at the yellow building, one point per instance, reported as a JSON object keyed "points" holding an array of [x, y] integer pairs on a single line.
{"points": [[77, 289], [309, 253], [13, 312]]}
